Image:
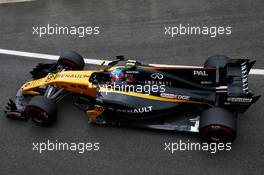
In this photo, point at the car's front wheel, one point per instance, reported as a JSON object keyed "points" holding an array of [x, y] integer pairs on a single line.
{"points": [[72, 60], [41, 110]]}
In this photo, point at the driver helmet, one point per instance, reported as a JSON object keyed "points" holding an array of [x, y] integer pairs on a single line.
{"points": [[117, 75]]}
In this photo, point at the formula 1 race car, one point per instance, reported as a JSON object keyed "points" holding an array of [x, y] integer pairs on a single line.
{"points": [[205, 100]]}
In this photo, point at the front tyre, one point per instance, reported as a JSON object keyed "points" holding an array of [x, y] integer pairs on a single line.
{"points": [[42, 110], [217, 125], [72, 60]]}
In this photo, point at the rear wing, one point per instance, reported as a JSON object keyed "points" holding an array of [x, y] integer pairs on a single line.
{"points": [[237, 71]]}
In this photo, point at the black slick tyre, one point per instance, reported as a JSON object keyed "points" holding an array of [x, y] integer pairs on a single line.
{"points": [[41, 110], [72, 60], [217, 125]]}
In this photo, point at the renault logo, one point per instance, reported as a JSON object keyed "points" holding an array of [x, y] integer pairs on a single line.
{"points": [[157, 76]]}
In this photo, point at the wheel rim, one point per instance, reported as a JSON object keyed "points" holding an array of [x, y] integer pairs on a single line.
{"points": [[217, 133], [38, 115]]}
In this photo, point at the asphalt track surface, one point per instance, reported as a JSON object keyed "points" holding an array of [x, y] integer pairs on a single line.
{"points": [[134, 29]]}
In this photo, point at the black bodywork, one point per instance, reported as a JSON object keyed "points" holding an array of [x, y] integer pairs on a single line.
{"points": [[203, 87], [176, 96]]}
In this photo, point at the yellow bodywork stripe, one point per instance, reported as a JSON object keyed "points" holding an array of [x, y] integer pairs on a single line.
{"points": [[30, 93]]}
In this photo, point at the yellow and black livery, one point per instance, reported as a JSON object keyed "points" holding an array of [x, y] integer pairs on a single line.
{"points": [[124, 92]]}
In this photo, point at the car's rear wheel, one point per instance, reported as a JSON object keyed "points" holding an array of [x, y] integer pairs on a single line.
{"points": [[217, 125], [216, 61], [42, 110], [72, 60]]}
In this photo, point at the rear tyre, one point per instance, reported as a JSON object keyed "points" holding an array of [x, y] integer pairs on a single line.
{"points": [[216, 61], [217, 125], [42, 110], [72, 60]]}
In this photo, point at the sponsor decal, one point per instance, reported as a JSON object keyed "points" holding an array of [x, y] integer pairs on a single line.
{"points": [[167, 83], [139, 110], [72, 76], [50, 77], [156, 76], [200, 73], [174, 96], [206, 82], [239, 100], [132, 72], [54, 76]]}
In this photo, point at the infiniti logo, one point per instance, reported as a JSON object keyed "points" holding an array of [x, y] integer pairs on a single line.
{"points": [[157, 76]]}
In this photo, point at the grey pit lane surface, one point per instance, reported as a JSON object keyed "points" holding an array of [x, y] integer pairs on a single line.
{"points": [[134, 29]]}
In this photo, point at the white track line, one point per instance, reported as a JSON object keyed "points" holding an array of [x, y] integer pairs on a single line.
{"points": [[44, 56], [13, 1], [95, 61]]}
